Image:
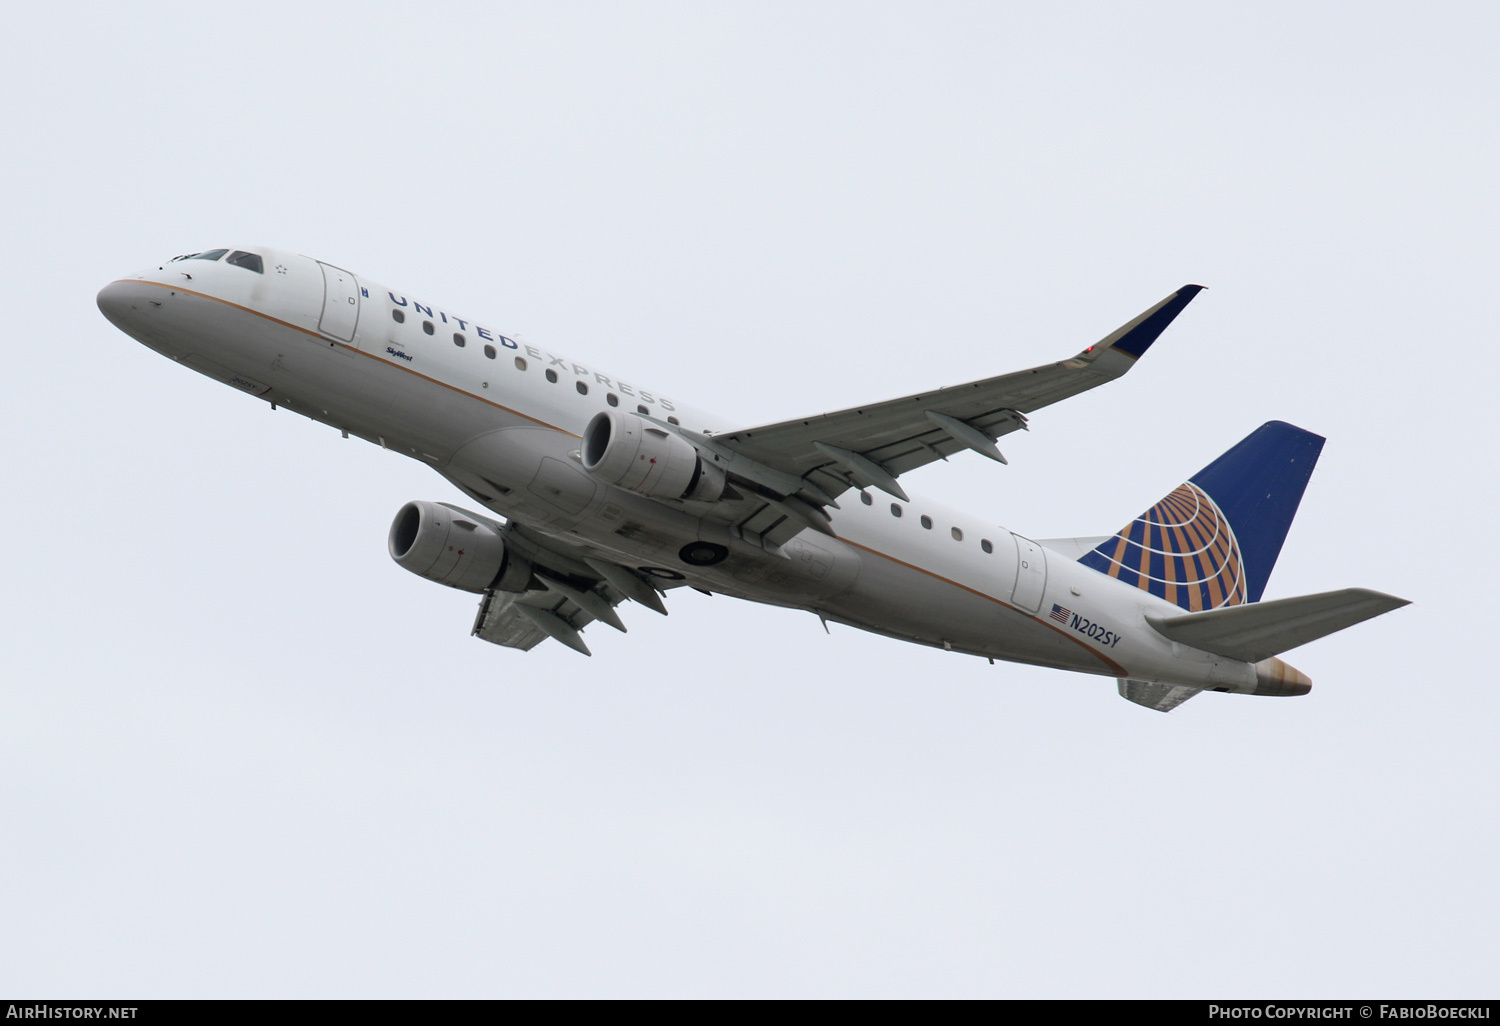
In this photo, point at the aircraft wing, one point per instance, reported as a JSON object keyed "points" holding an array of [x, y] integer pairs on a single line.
{"points": [[872, 446]]}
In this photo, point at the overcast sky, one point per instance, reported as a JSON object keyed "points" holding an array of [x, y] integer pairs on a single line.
{"points": [[243, 753]]}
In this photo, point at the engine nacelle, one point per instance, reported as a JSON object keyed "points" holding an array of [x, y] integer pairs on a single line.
{"points": [[434, 542], [624, 450]]}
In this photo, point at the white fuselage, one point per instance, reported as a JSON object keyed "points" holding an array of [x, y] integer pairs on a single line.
{"points": [[488, 416]]}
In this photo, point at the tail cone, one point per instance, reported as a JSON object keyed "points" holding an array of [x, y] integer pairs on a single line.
{"points": [[1279, 679]]}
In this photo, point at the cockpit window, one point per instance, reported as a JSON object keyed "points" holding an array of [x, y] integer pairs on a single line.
{"points": [[249, 261], [212, 254]]}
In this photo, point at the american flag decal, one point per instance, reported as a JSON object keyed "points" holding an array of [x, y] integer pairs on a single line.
{"points": [[1059, 613]]}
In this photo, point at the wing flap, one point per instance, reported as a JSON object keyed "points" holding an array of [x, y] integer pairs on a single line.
{"points": [[499, 623], [1161, 697], [569, 588]]}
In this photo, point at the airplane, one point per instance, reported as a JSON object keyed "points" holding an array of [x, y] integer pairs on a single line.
{"points": [[598, 490]]}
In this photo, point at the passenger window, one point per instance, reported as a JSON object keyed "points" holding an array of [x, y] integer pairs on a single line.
{"points": [[398, 316], [674, 420], [552, 375], [249, 261], [459, 340], [520, 363], [212, 254], [864, 497], [427, 327], [583, 388], [646, 412], [612, 399], [489, 351], [895, 509], [957, 534], [926, 521], [984, 543]]}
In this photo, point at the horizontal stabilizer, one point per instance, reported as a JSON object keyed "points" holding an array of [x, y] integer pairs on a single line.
{"points": [[1260, 630]]}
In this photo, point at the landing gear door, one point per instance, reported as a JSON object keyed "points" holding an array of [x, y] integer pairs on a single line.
{"points": [[340, 303], [1031, 574]]}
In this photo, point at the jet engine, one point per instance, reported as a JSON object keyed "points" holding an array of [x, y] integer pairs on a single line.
{"points": [[443, 545], [624, 450]]}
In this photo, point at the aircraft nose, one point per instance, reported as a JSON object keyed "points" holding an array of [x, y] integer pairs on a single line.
{"points": [[135, 307], [116, 301]]}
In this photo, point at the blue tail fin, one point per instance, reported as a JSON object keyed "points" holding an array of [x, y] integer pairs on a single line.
{"points": [[1214, 540]]}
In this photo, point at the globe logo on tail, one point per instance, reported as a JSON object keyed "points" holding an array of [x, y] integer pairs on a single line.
{"points": [[1182, 549]]}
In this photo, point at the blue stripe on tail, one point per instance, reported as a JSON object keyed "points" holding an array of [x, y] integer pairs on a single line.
{"points": [[1214, 540]]}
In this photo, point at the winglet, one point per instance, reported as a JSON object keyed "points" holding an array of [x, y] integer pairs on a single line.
{"points": [[1135, 338]]}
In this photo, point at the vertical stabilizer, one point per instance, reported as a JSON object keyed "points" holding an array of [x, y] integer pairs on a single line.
{"points": [[1213, 541]]}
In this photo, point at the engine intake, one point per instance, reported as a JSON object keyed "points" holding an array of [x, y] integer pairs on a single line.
{"points": [[626, 451], [442, 545]]}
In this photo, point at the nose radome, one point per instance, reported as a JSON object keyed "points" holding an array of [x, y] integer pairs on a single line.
{"points": [[115, 301]]}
